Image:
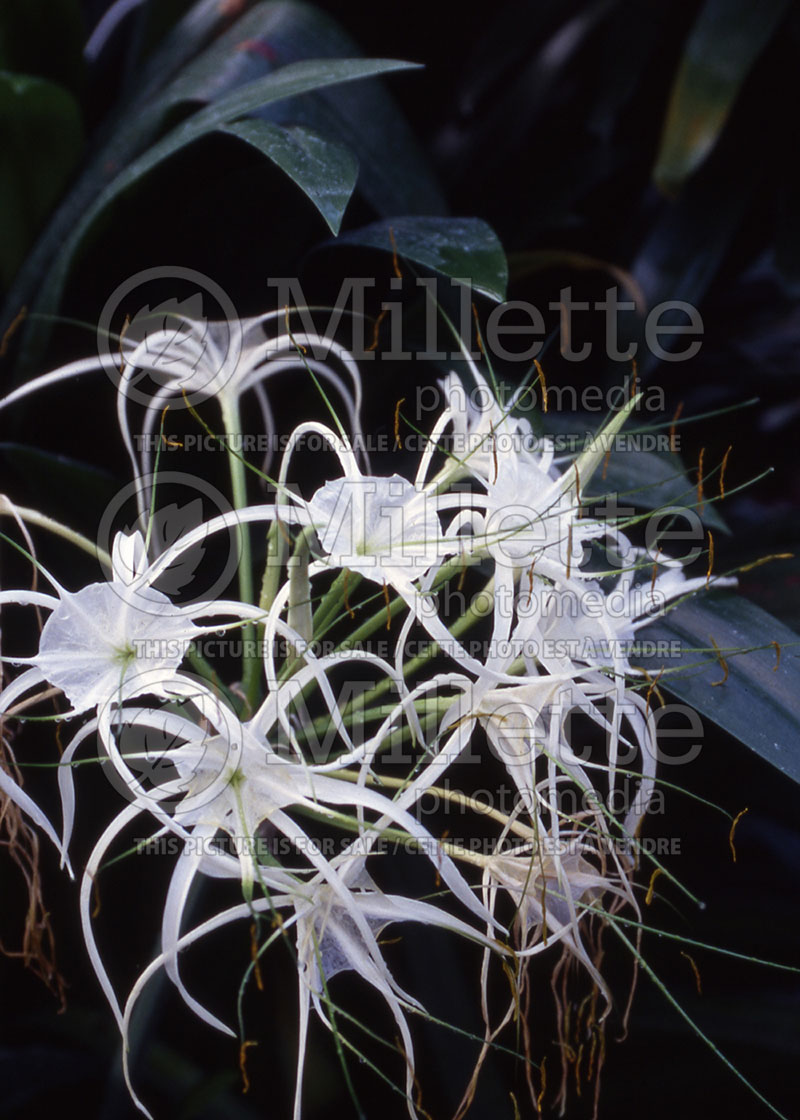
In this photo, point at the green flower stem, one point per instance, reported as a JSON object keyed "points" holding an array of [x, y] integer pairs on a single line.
{"points": [[349, 823], [326, 613], [251, 664], [204, 670], [277, 552], [463, 800], [425, 704]]}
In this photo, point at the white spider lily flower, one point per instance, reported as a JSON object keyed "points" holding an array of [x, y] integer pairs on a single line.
{"points": [[551, 894], [187, 354], [483, 432], [329, 941], [545, 889], [337, 917], [208, 359], [587, 623], [231, 780], [383, 528], [519, 722], [111, 640]]}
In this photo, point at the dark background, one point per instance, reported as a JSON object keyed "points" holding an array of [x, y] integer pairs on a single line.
{"points": [[545, 119]]}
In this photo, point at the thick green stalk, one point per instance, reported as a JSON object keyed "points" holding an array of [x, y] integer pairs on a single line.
{"points": [[251, 662]]}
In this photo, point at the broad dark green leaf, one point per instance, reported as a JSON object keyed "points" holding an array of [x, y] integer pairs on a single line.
{"points": [[759, 703], [192, 66], [325, 171], [459, 248], [394, 175], [41, 137], [289, 81], [723, 46]]}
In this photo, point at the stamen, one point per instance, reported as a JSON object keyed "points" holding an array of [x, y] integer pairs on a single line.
{"points": [[398, 442], [695, 970], [297, 345], [723, 664], [722, 471], [255, 957], [766, 560], [736, 820], [168, 442], [395, 264], [710, 556], [672, 441], [543, 1089], [243, 1064], [540, 378], [376, 329], [648, 898], [12, 328]]}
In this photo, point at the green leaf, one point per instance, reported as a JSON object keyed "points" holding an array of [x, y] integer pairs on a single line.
{"points": [[458, 248], [289, 81], [759, 703], [394, 174], [724, 44], [325, 171], [41, 137]]}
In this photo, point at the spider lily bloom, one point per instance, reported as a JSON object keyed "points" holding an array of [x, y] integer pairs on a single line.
{"points": [[545, 890], [525, 723], [338, 918], [224, 360], [385, 529], [483, 431], [329, 941], [213, 367], [112, 640], [382, 528], [551, 894], [533, 516], [231, 779], [88, 649], [109, 641]]}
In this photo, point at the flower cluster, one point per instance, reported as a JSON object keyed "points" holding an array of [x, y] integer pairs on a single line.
{"points": [[367, 565]]}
